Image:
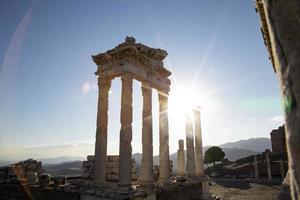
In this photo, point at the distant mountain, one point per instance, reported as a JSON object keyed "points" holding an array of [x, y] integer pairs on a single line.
{"points": [[69, 168], [5, 162], [67, 165], [252, 144], [57, 160]]}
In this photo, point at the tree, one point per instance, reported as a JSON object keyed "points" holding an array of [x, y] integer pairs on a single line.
{"points": [[213, 154]]}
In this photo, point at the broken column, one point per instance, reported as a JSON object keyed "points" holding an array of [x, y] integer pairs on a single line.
{"points": [[256, 168], [180, 159], [164, 161], [147, 156], [199, 167], [101, 133], [190, 163], [125, 149]]}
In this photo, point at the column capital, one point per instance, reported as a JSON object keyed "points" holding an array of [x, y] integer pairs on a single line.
{"points": [[127, 76], [104, 83]]}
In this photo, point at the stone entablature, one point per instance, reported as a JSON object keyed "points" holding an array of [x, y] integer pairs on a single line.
{"points": [[144, 62]]}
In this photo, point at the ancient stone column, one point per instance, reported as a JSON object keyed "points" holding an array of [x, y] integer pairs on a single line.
{"points": [[281, 31], [282, 173], [199, 167], [180, 159], [101, 133], [256, 168], [125, 149], [147, 156], [190, 163], [268, 166], [164, 161]]}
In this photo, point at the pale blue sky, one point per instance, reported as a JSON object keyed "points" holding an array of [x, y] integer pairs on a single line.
{"points": [[48, 94]]}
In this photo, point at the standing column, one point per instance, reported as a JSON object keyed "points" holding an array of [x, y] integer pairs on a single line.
{"points": [[256, 168], [268, 166], [199, 168], [125, 149], [180, 159], [190, 163], [164, 161], [101, 133], [147, 157]]}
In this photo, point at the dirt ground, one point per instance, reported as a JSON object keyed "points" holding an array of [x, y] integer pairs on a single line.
{"points": [[238, 190]]}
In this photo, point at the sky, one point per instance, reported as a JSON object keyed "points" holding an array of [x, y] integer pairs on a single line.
{"points": [[48, 89]]}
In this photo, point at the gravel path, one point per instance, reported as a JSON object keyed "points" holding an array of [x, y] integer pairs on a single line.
{"points": [[238, 190]]}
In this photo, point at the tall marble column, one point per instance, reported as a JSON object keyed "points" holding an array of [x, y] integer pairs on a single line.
{"points": [[199, 167], [147, 156], [125, 150], [190, 163], [164, 161], [268, 166], [101, 133], [180, 159], [256, 168]]}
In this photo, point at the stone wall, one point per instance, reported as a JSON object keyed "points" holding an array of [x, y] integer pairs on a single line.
{"points": [[278, 139], [112, 168]]}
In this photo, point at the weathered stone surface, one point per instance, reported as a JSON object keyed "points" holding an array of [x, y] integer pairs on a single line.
{"points": [[180, 159], [112, 169], [147, 154], [199, 166], [190, 162], [164, 160], [28, 170], [101, 132], [281, 32]]}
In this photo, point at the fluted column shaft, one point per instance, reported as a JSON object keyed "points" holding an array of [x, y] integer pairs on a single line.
{"points": [[147, 132], [164, 161], [190, 163], [101, 133], [125, 150], [199, 167]]}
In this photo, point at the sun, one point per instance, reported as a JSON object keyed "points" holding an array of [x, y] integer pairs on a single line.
{"points": [[183, 101]]}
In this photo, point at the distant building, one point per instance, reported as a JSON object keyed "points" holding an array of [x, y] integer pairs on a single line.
{"points": [[278, 139]]}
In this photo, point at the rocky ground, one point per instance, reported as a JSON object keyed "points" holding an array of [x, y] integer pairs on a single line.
{"points": [[239, 190]]}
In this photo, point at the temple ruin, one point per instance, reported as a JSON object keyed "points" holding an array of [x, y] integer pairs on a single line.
{"points": [[130, 60]]}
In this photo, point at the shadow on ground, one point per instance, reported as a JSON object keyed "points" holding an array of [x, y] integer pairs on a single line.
{"points": [[234, 184]]}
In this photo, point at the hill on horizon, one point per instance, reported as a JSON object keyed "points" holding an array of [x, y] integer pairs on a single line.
{"points": [[69, 165], [252, 144]]}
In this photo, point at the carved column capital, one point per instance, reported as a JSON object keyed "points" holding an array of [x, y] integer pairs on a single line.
{"points": [[127, 76], [104, 83], [146, 88]]}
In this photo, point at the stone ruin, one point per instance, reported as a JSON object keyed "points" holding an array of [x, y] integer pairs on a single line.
{"points": [[26, 171], [115, 177], [112, 168]]}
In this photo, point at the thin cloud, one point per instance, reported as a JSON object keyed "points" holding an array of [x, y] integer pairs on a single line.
{"points": [[88, 87], [277, 119]]}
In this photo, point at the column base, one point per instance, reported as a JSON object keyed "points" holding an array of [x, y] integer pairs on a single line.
{"points": [[146, 185], [99, 185], [124, 188], [164, 182]]}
